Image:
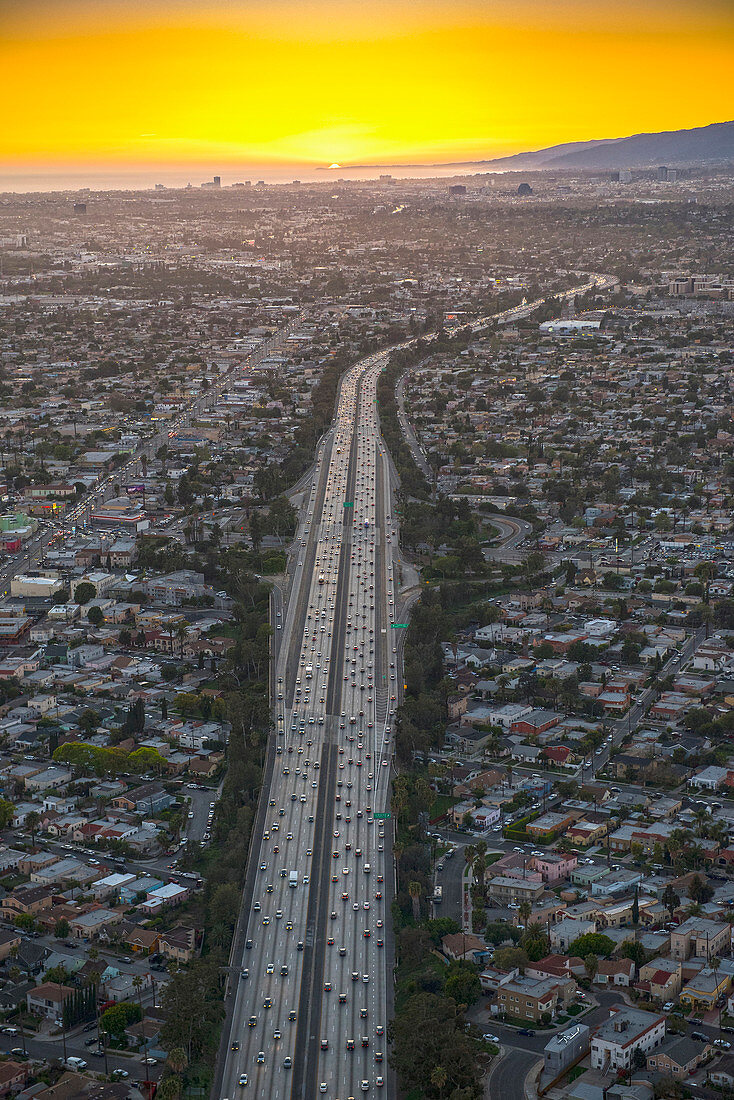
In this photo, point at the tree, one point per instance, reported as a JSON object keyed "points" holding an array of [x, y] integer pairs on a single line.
{"points": [[524, 911], [429, 1034], [95, 615], [699, 890], [32, 821], [593, 943], [7, 813], [510, 958], [415, 890], [670, 900], [591, 965], [114, 1020], [462, 983], [84, 592], [61, 931]]}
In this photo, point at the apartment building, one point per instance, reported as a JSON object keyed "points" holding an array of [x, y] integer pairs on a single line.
{"points": [[526, 998], [626, 1030], [699, 936]]}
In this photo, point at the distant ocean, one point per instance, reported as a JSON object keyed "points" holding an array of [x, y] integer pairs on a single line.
{"points": [[145, 178]]}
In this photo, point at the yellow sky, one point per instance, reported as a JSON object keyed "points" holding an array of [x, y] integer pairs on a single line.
{"points": [[100, 81]]}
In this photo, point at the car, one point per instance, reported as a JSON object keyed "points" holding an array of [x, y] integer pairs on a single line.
{"points": [[668, 1006], [149, 1061], [524, 1031], [260, 1057], [700, 1036], [252, 1022], [489, 1038], [322, 1086], [248, 945], [243, 1079], [723, 1044], [365, 1086], [236, 1044], [324, 1044]]}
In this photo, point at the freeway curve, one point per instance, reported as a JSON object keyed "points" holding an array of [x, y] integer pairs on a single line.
{"points": [[311, 1002]]}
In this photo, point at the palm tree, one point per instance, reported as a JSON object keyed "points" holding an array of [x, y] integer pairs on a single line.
{"points": [[397, 850], [591, 965], [177, 1060], [470, 853], [439, 1079], [415, 890], [33, 820], [524, 912]]}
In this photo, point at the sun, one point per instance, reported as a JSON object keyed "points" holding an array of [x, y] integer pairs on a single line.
{"points": [[335, 165]]}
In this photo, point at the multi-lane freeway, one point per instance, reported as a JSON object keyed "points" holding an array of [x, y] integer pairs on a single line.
{"points": [[309, 978], [311, 997]]}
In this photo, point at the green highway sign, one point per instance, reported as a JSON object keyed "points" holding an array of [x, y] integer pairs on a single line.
{"points": [[382, 817], [348, 503], [399, 626]]}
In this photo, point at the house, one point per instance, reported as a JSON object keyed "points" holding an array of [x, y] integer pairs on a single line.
{"points": [[30, 900], [90, 924], [615, 972], [701, 991], [661, 978], [678, 1056], [13, 1076], [585, 833], [10, 941], [537, 721], [459, 945], [525, 998], [554, 866], [566, 931], [47, 1000], [147, 799], [627, 1030], [722, 1074], [179, 943]]}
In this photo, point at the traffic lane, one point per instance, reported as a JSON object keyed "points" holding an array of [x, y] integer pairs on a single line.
{"points": [[48, 1050], [506, 1078]]}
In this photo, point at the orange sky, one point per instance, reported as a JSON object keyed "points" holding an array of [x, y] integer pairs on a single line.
{"points": [[112, 82]]}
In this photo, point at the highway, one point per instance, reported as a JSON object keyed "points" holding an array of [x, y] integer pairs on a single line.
{"points": [[311, 979], [309, 972]]}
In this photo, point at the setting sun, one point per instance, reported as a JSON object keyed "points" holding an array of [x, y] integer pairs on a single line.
{"points": [[173, 83]]}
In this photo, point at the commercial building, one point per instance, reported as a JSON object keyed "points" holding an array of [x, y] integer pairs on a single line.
{"points": [[40, 585]]}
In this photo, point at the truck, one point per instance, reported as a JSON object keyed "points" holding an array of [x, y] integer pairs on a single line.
{"points": [[293, 879], [309, 671], [437, 895], [322, 578]]}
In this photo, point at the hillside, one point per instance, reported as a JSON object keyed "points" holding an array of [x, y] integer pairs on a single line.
{"points": [[704, 143]]}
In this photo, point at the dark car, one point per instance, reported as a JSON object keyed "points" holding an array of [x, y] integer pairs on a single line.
{"points": [[525, 1031]]}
